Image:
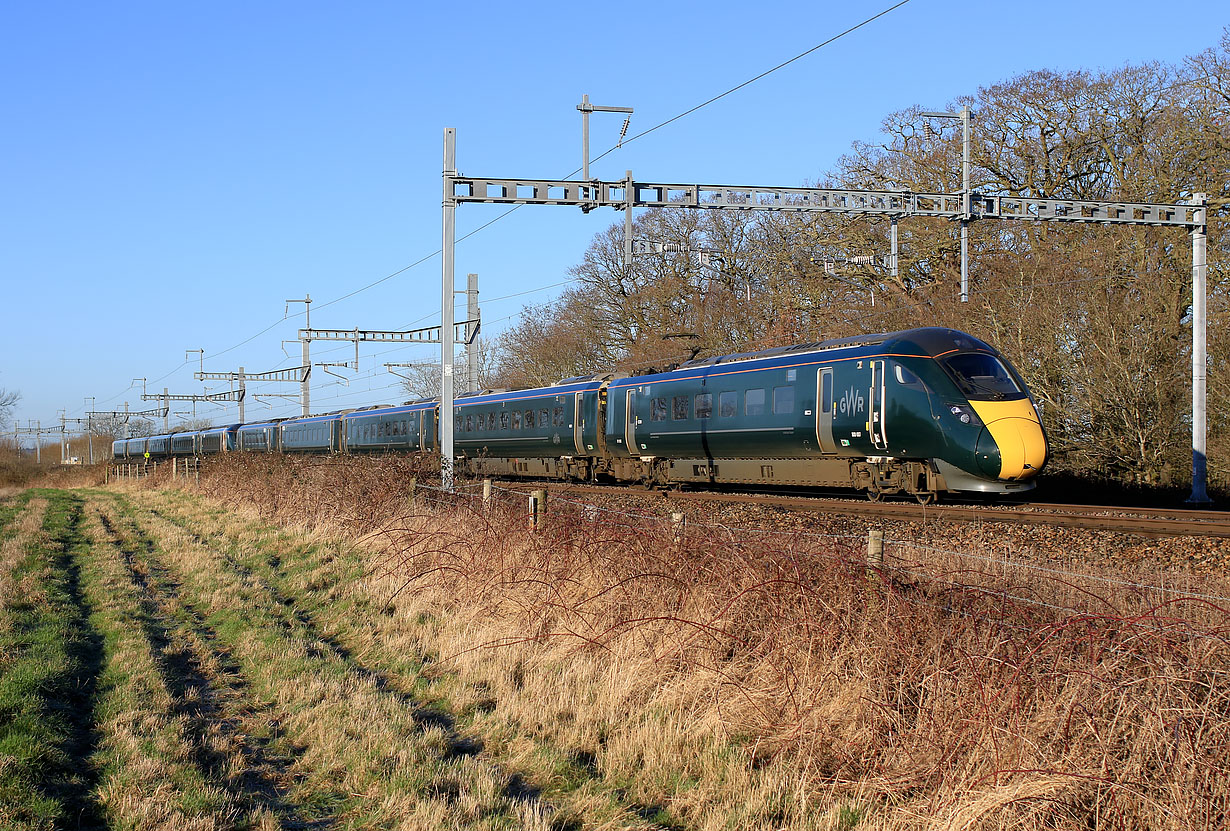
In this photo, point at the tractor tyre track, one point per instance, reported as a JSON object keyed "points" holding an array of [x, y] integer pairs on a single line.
{"points": [[206, 684]]}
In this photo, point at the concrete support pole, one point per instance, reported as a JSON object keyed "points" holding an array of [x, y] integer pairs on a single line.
{"points": [[965, 213], [892, 241], [472, 313], [585, 109], [305, 386], [630, 195], [1200, 470], [38, 441], [449, 209], [242, 395], [166, 409]]}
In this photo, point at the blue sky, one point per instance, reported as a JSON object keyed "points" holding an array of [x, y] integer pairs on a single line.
{"points": [[173, 172]]}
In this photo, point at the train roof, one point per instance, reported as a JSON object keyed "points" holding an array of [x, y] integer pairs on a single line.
{"points": [[563, 388], [932, 341], [387, 409]]}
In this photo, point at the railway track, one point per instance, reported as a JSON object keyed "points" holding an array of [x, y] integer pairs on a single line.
{"points": [[1164, 522]]}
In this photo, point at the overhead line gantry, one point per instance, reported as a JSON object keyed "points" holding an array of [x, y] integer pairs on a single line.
{"points": [[627, 194]]}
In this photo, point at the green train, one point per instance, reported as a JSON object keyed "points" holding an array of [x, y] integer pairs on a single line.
{"points": [[914, 413]]}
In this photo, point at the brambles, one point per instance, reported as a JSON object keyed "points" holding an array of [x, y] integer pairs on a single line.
{"points": [[769, 678]]}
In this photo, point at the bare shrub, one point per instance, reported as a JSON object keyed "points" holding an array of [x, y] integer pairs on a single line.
{"points": [[947, 688]]}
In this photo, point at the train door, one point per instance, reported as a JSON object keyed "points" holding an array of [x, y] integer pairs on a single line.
{"points": [[878, 408], [578, 423], [427, 430], [413, 440], [630, 427], [824, 411]]}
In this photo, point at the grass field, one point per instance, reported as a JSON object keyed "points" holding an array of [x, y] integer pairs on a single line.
{"points": [[169, 660]]}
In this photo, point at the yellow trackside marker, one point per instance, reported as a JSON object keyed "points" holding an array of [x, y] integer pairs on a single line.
{"points": [[1017, 432]]}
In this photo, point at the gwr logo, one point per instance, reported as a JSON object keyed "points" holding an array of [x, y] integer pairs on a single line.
{"points": [[852, 401]]}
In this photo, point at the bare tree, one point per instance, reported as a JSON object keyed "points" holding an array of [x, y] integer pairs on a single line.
{"points": [[422, 380], [8, 400], [1097, 319]]}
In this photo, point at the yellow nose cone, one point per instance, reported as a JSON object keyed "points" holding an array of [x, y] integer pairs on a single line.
{"points": [[1017, 432]]}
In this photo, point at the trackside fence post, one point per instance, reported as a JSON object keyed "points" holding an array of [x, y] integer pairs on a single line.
{"points": [[875, 549], [486, 495], [678, 526], [414, 486], [537, 508], [541, 513]]}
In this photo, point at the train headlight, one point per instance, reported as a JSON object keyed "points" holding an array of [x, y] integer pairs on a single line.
{"points": [[964, 414]]}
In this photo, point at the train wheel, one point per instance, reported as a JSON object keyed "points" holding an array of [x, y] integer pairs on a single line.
{"points": [[925, 497], [874, 495]]}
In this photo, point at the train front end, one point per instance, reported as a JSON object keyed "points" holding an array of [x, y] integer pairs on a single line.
{"points": [[997, 443]]}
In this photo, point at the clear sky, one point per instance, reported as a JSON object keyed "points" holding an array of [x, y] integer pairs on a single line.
{"points": [[173, 172]]}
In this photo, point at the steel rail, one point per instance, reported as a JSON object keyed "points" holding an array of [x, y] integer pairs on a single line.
{"points": [[1143, 522]]}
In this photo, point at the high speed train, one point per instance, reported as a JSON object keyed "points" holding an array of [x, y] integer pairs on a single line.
{"points": [[915, 413]]}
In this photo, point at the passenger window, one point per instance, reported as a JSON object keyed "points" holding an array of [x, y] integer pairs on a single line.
{"points": [[753, 402], [380, 430], [470, 424], [557, 416], [504, 420], [542, 418], [679, 408], [657, 411], [529, 419], [704, 405], [728, 403], [783, 400], [826, 391], [516, 420]]}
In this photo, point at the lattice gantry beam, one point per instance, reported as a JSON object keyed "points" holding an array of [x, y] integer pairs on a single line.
{"points": [[822, 200], [158, 412], [1075, 210], [229, 395], [294, 375], [429, 334]]}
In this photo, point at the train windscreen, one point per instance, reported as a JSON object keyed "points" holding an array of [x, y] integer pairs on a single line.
{"points": [[982, 376]]}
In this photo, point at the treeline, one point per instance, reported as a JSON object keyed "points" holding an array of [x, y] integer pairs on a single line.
{"points": [[1097, 318]]}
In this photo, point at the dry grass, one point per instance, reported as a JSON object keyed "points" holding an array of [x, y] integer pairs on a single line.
{"points": [[21, 524], [752, 680]]}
